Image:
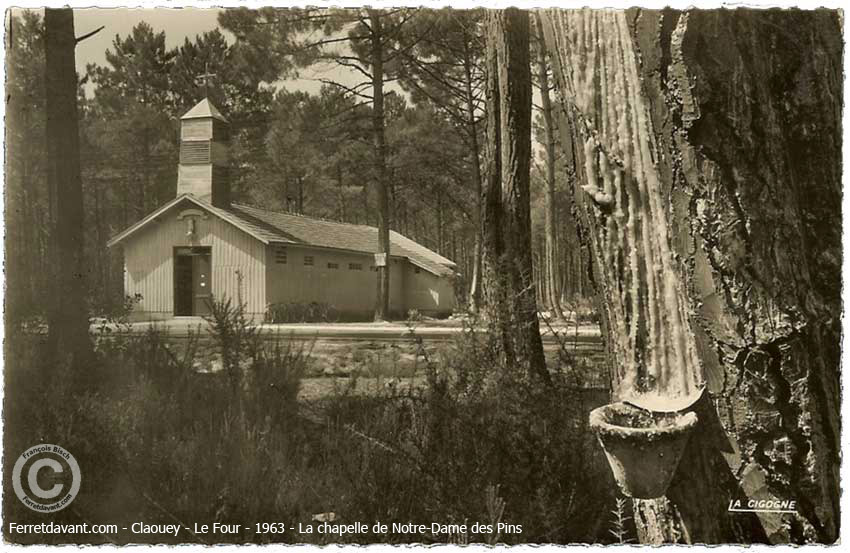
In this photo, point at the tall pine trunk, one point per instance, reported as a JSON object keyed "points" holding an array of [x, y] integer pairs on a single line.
{"points": [[552, 290], [709, 155], [508, 266], [478, 181], [68, 337], [383, 271]]}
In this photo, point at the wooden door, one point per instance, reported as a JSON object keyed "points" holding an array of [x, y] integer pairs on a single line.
{"points": [[183, 285], [201, 283]]}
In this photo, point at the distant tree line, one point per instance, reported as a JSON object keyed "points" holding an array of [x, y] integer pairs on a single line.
{"points": [[316, 154]]}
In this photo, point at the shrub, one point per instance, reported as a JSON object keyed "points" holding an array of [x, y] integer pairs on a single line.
{"points": [[239, 341], [312, 312], [437, 453], [474, 442]]}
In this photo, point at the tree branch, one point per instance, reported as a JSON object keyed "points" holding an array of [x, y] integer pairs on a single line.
{"points": [[352, 91], [87, 35]]}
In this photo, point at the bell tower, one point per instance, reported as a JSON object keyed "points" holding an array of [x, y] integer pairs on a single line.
{"points": [[203, 170]]}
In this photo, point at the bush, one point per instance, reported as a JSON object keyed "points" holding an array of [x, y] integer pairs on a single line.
{"points": [[474, 442], [437, 453], [312, 312]]}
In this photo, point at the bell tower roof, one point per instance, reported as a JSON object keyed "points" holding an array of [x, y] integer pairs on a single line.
{"points": [[204, 109], [204, 159]]}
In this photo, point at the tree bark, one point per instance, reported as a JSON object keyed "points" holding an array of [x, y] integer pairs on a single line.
{"points": [[508, 266], [552, 291], [711, 188], [478, 181], [68, 338], [376, 36]]}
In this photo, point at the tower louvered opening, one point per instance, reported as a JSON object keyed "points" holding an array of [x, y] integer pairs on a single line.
{"points": [[195, 152]]}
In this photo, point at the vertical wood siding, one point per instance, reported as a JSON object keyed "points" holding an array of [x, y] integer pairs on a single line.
{"points": [[427, 292], [149, 271], [348, 290], [150, 265], [351, 291], [196, 129]]}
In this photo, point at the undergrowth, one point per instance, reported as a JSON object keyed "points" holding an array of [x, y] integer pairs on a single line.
{"points": [[160, 442]]}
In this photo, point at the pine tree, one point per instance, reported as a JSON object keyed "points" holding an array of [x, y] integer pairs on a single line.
{"points": [[508, 266], [68, 326]]}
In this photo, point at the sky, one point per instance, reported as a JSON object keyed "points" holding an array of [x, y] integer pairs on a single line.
{"points": [[178, 24]]}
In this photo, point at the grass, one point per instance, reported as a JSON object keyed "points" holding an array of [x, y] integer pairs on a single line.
{"points": [[159, 442]]}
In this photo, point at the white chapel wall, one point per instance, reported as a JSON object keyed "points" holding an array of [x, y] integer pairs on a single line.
{"points": [[150, 268]]}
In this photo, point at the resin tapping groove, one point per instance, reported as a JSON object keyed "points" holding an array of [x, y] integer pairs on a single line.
{"points": [[711, 192], [653, 339]]}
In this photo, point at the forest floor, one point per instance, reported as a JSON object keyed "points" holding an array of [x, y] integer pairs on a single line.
{"points": [[426, 329], [391, 427], [369, 366], [379, 429], [367, 358]]}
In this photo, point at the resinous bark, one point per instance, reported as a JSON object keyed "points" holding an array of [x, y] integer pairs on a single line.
{"points": [[510, 295], [68, 339], [708, 154]]}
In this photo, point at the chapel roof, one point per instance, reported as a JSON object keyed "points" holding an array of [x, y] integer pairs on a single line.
{"points": [[204, 109], [289, 228], [299, 229]]}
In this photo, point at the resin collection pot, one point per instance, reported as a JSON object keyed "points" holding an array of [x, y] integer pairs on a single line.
{"points": [[643, 447]]}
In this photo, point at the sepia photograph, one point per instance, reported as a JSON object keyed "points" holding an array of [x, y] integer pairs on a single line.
{"points": [[422, 275]]}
